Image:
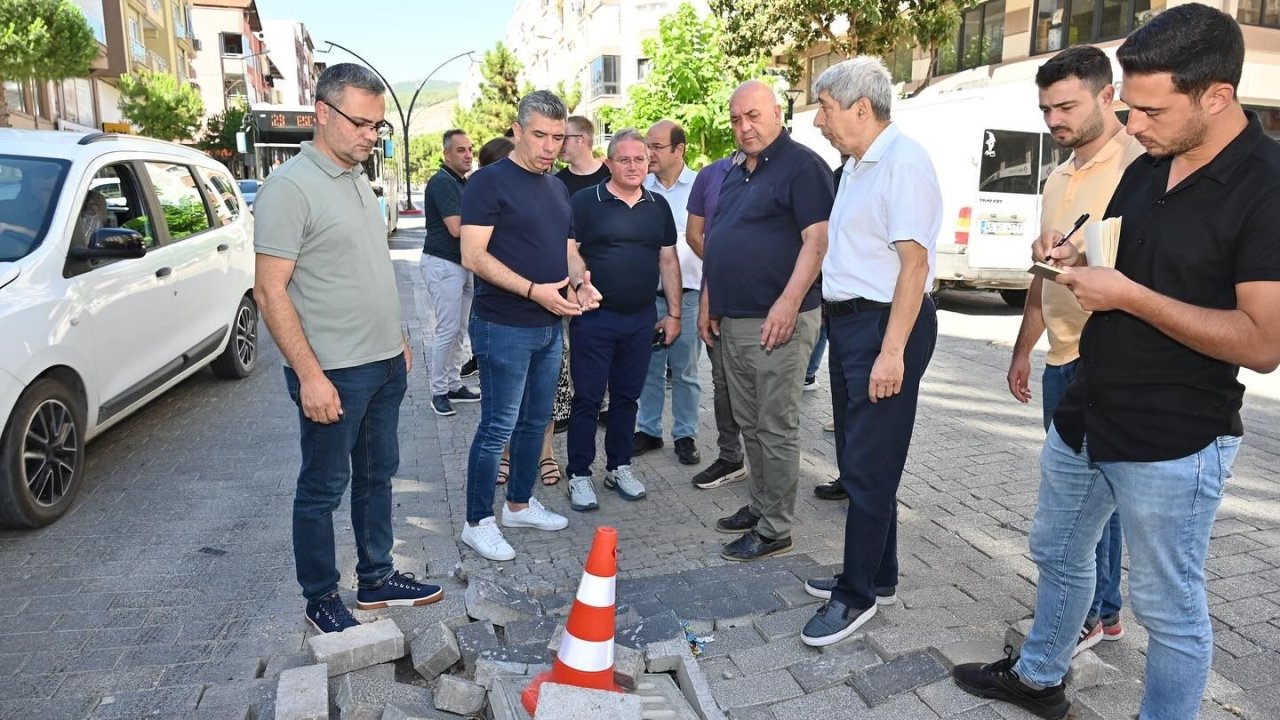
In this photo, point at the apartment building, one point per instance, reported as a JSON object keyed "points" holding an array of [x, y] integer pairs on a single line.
{"points": [[133, 36], [293, 53], [597, 43], [233, 65]]}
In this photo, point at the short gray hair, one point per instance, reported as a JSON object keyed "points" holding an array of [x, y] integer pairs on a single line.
{"points": [[541, 102], [336, 79], [860, 77], [624, 135]]}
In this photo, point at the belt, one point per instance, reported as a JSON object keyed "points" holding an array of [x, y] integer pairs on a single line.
{"points": [[840, 308], [662, 294]]}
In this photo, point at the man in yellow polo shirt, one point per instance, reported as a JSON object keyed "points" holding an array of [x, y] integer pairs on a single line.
{"points": [[1076, 95]]}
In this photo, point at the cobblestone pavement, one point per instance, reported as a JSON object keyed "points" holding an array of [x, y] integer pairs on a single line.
{"points": [[170, 584]]}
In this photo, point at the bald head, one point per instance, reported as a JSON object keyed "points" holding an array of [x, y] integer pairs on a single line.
{"points": [[756, 116]]}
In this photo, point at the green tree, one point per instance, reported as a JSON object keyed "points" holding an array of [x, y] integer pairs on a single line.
{"points": [[43, 40], [219, 137], [500, 92], [690, 80], [425, 152], [159, 106], [570, 94], [869, 27]]}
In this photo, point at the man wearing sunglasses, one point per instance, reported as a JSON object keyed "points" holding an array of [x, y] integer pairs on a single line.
{"points": [[327, 290]]}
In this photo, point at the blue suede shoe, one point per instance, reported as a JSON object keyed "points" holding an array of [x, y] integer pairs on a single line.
{"points": [[329, 614], [400, 590]]}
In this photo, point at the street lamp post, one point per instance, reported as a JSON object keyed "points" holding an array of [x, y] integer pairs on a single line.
{"points": [[405, 115], [793, 94]]}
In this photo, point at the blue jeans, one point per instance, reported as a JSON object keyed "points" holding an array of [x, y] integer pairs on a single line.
{"points": [[1106, 595], [819, 349], [1168, 509], [606, 349], [682, 356], [519, 367], [361, 449]]}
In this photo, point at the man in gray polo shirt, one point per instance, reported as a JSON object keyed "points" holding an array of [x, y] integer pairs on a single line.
{"points": [[327, 290]]}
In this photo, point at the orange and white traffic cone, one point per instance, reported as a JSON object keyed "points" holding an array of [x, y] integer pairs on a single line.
{"points": [[585, 658]]}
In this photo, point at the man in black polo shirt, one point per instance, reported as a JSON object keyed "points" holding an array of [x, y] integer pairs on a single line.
{"points": [[1151, 424], [761, 301], [625, 234]]}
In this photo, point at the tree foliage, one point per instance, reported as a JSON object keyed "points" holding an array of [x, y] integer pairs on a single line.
{"points": [[500, 92], [425, 153], [690, 80], [161, 107], [219, 136], [850, 27], [43, 40]]}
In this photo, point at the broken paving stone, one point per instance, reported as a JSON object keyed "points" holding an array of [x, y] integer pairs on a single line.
{"points": [[527, 654], [1087, 670], [529, 632], [499, 604], [660, 627], [661, 698], [628, 665], [667, 655], [459, 696], [558, 702], [357, 647], [434, 651], [696, 690], [363, 695], [303, 693], [487, 670], [473, 638], [504, 698], [451, 610], [279, 663]]}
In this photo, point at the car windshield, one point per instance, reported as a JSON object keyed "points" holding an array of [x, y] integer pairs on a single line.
{"points": [[29, 189], [248, 186]]}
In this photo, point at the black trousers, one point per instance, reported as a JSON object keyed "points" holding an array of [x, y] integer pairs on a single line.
{"points": [[872, 440]]}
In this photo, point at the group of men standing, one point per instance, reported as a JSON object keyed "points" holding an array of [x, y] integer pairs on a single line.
{"points": [[1145, 432]]}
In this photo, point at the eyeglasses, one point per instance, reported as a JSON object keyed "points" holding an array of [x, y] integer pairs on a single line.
{"points": [[574, 135], [658, 147], [382, 128]]}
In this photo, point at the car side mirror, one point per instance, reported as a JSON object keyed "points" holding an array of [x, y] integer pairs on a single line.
{"points": [[111, 244]]}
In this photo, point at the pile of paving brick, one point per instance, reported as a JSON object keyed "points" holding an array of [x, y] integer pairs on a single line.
{"points": [[472, 654]]}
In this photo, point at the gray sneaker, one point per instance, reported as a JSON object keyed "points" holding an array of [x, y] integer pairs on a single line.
{"points": [[582, 493], [621, 479]]}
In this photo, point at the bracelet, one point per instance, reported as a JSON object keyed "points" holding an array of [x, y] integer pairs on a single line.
{"points": [[578, 287], [673, 317], [529, 295]]}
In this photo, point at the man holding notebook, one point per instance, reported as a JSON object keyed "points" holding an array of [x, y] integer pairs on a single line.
{"points": [[1076, 95]]}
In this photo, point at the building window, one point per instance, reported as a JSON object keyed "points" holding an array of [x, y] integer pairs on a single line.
{"points": [[817, 65], [1259, 12], [14, 97], [139, 50], [1062, 23], [604, 76], [77, 101], [232, 44], [899, 62], [642, 69], [979, 40]]}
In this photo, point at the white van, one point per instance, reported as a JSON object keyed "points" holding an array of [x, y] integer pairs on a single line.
{"points": [[992, 155]]}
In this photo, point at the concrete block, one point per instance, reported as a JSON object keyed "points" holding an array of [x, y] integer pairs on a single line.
{"points": [[450, 610], [832, 668], [364, 695], [458, 696], [487, 670], [472, 639], [357, 647], [303, 693], [767, 689], [971, 651], [696, 690], [394, 711], [628, 665], [434, 650], [499, 604], [666, 656], [881, 683], [559, 702], [657, 628], [504, 698], [529, 632], [661, 698], [1087, 670], [527, 654]]}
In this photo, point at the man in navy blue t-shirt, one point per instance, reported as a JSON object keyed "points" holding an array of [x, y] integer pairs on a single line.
{"points": [[517, 237], [760, 266], [626, 234]]}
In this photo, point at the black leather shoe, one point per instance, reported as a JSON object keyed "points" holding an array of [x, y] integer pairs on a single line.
{"points": [[999, 681], [822, 587], [687, 451], [739, 522], [754, 546], [644, 442], [834, 622], [830, 491]]}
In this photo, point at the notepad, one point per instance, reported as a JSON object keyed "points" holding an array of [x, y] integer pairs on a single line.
{"points": [[1045, 270], [1101, 241]]}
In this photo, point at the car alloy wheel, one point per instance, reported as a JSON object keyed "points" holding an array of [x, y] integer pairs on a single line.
{"points": [[51, 447]]}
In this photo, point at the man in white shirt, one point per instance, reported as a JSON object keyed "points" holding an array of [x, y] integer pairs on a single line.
{"points": [[881, 326], [672, 179]]}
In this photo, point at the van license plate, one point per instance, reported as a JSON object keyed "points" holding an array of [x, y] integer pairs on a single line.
{"points": [[1000, 227]]}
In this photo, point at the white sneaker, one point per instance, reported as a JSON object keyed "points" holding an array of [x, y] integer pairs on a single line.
{"points": [[621, 479], [582, 493], [486, 539], [534, 516]]}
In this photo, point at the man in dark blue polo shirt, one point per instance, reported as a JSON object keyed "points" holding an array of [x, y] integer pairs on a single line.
{"points": [[1151, 424], [625, 234], [517, 237], [761, 301]]}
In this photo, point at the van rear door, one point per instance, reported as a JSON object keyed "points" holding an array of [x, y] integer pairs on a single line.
{"points": [[1005, 221]]}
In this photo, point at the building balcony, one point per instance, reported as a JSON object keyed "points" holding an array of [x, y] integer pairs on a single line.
{"points": [[139, 52], [158, 62]]}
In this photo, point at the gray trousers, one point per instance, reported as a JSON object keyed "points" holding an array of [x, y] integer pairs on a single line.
{"points": [[728, 434], [765, 390], [450, 287]]}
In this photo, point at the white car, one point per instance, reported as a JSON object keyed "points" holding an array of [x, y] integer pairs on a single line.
{"points": [[126, 265]]}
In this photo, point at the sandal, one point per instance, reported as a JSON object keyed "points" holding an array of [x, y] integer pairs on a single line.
{"points": [[504, 470], [552, 472]]}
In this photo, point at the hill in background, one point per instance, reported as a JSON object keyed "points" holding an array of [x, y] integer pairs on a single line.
{"points": [[434, 110]]}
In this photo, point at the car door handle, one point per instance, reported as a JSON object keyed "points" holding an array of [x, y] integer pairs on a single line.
{"points": [[164, 272], [224, 247]]}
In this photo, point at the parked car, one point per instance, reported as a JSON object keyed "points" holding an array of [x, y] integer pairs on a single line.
{"points": [[126, 265], [249, 189]]}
